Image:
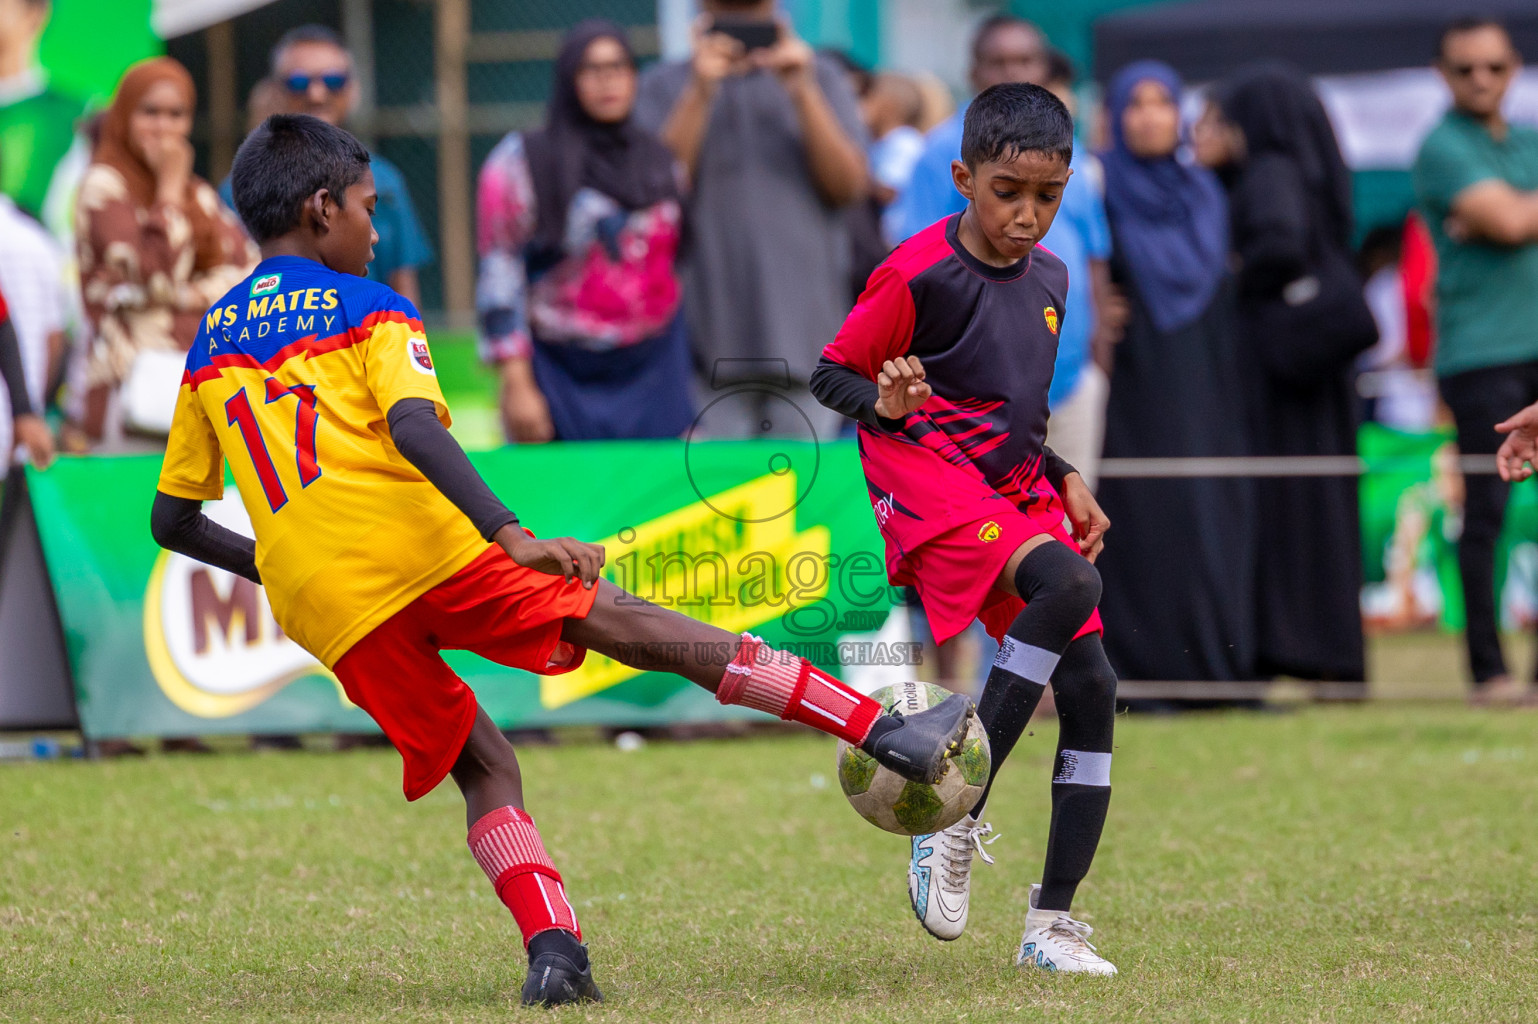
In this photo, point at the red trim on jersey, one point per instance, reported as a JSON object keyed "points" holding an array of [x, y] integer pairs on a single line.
{"points": [[880, 327], [308, 346], [921, 251], [1067, 277]]}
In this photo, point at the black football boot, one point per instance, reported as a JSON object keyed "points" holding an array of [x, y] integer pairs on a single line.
{"points": [[916, 746], [559, 971]]}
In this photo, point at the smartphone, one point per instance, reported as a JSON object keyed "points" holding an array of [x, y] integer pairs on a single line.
{"points": [[752, 33]]}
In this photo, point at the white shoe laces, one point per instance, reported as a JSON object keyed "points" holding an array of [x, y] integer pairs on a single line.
{"points": [[1073, 934], [961, 841]]}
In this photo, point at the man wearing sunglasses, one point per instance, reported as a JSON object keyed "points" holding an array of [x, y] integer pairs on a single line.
{"points": [[313, 74], [1476, 181]]}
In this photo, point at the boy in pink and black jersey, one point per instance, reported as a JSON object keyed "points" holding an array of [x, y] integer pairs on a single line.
{"points": [[946, 362]]}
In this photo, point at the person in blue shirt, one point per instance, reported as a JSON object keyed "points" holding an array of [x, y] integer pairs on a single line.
{"points": [[312, 72], [1004, 49], [1011, 49], [1093, 313]]}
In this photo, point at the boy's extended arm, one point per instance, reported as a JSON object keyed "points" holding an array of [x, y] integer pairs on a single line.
{"points": [[847, 391], [178, 524], [422, 438]]}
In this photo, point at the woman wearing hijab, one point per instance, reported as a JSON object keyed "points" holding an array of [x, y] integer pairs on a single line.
{"points": [[579, 228], [156, 247], [1305, 320], [1178, 579]]}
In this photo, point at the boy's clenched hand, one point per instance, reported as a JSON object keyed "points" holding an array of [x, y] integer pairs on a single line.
{"points": [[559, 556], [1089, 522], [903, 389]]}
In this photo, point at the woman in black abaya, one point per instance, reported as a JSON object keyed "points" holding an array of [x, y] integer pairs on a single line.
{"points": [[1305, 320], [1178, 598]]}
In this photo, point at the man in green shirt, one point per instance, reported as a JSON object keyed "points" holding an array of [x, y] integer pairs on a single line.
{"points": [[1476, 180], [37, 123]]}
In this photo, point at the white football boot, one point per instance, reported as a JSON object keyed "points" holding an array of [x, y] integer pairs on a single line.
{"points": [[940, 875], [1053, 941]]}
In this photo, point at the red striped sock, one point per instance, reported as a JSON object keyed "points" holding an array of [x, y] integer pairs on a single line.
{"points": [[507, 846], [782, 684]]}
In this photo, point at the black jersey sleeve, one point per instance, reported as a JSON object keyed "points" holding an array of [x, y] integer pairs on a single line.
{"points": [[1055, 468], [11, 370], [178, 524], [844, 390], [422, 438]]}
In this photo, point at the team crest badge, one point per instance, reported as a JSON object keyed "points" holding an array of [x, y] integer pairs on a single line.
{"points": [[421, 358], [989, 533], [1051, 315], [266, 285]]}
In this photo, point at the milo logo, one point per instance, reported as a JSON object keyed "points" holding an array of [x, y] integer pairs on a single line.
{"points": [[266, 284], [211, 639]]}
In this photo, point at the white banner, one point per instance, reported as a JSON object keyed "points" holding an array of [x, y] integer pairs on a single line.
{"points": [[172, 18], [1381, 117]]}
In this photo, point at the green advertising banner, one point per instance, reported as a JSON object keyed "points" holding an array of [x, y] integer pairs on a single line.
{"points": [[88, 44], [773, 537]]}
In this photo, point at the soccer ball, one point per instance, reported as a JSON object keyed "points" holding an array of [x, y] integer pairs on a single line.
{"points": [[889, 801]]}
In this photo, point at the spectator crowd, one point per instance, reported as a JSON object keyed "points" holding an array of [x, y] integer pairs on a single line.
{"points": [[669, 251]]}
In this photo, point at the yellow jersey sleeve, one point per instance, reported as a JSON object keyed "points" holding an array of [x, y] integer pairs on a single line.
{"points": [[398, 362], [194, 462]]}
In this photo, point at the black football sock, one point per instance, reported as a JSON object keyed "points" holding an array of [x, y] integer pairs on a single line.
{"points": [[1005, 709], [1061, 590], [1085, 688]]}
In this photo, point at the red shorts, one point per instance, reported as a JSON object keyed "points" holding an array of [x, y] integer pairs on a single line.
{"points": [[494, 607], [949, 534], [955, 573]]}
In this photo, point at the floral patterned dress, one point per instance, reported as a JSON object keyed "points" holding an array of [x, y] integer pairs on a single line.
{"points": [[599, 318], [139, 272]]}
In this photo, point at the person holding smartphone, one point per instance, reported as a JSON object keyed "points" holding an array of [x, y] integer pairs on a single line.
{"points": [[770, 135]]}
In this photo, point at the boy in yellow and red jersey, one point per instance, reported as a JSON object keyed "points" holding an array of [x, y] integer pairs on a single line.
{"points": [[380, 545]]}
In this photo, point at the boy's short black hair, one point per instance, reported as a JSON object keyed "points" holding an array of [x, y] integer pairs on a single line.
{"points": [[1468, 23], [1007, 120], [287, 160]]}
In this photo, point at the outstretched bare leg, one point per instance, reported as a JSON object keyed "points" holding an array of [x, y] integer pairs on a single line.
{"points": [[743, 670], [652, 638]]}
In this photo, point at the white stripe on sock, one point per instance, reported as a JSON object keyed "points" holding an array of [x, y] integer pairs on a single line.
{"points": [[834, 686], [826, 714], [1083, 768], [539, 880], [1034, 664]]}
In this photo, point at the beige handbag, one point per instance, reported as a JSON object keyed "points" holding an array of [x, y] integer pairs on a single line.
{"points": [[148, 394]]}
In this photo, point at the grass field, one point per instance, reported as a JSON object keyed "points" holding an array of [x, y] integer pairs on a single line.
{"points": [[1366, 863]]}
